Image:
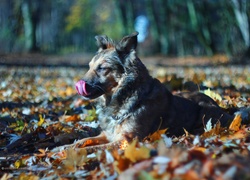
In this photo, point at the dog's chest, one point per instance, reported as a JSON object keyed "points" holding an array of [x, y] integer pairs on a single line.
{"points": [[115, 125]]}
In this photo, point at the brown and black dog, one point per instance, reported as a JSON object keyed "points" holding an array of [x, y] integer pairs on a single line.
{"points": [[130, 103]]}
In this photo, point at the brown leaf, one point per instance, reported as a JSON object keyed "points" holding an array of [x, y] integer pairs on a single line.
{"points": [[42, 153], [75, 158]]}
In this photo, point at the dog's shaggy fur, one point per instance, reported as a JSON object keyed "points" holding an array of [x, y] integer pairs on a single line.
{"points": [[131, 103]]}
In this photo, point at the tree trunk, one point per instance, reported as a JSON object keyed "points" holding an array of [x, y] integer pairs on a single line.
{"points": [[242, 20], [30, 23], [200, 28]]}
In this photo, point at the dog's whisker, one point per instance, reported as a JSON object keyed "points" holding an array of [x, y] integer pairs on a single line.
{"points": [[100, 88]]}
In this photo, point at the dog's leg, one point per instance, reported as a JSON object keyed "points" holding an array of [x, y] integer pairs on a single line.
{"points": [[108, 146], [90, 141], [97, 140]]}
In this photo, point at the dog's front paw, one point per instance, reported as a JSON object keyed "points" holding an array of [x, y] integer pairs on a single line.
{"points": [[83, 143]]}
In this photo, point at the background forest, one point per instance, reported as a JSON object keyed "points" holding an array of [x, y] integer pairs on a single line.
{"points": [[166, 27]]}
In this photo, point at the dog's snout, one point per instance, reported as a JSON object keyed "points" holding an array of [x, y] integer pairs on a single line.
{"points": [[81, 87]]}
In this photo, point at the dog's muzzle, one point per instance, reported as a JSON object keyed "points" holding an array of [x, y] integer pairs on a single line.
{"points": [[81, 88], [87, 90]]}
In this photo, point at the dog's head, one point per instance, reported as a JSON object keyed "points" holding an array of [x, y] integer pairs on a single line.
{"points": [[107, 67]]}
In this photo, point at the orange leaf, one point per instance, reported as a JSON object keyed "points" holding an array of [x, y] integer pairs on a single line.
{"points": [[235, 125], [216, 130], [242, 133], [191, 174], [74, 117], [122, 164], [201, 149], [156, 135]]}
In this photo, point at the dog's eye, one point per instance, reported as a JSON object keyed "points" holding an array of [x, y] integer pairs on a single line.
{"points": [[103, 68]]}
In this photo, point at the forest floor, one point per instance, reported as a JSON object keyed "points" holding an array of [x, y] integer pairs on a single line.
{"points": [[39, 110]]}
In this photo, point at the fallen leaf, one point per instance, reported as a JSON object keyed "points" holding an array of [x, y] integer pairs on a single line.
{"points": [[216, 97], [41, 120], [74, 158], [236, 123], [212, 131], [156, 135], [42, 153], [73, 118], [242, 133], [136, 154]]}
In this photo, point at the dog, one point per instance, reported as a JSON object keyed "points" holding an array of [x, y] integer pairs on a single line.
{"points": [[132, 104]]}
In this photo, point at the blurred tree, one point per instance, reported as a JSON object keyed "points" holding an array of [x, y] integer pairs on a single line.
{"points": [[242, 12], [88, 18], [168, 27], [159, 11], [31, 16]]}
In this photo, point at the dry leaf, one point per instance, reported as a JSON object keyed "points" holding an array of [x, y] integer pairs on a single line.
{"points": [[41, 120], [242, 133], [24, 176], [42, 153], [216, 97], [212, 131], [236, 123], [136, 154], [156, 135], [73, 118], [75, 158]]}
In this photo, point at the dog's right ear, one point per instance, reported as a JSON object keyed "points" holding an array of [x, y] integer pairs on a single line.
{"points": [[103, 42], [127, 44]]}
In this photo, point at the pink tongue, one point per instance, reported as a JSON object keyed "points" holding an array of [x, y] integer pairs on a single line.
{"points": [[81, 88]]}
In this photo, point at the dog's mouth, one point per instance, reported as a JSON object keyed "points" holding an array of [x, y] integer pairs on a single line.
{"points": [[88, 91]]}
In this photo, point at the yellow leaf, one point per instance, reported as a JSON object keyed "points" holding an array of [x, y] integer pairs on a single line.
{"points": [[235, 125], [17, 163], [41, 120], [24, 176], [213, 95], [135, 154], [69, 91]]}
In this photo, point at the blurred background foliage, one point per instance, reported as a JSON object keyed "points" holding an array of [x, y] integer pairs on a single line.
{"points": [[166, 27]]}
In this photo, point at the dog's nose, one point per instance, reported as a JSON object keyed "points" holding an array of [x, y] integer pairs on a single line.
{"points": [[81, 88]]}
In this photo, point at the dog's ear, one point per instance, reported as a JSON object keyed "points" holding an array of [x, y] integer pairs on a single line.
{"points": [[103, 42], [127, 44]]}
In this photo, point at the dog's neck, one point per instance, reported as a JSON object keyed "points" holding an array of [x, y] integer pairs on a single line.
{"points": [[129, 86]]}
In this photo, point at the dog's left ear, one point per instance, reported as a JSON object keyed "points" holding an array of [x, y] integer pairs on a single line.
{"points": [[127, 44], [103, 42]]}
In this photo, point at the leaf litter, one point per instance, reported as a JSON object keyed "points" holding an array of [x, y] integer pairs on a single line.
{"points": [[40, 110]]}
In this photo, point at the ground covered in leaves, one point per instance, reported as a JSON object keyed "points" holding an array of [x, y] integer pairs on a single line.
{"points": [[40, 110]]}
